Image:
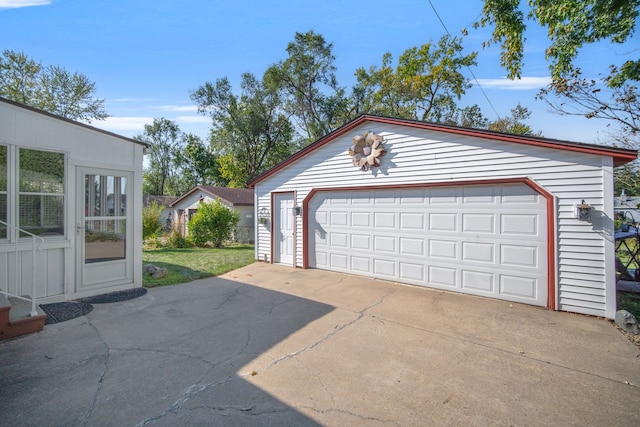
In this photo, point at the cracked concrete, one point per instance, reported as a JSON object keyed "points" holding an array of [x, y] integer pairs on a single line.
{"points": [[271, 345]]}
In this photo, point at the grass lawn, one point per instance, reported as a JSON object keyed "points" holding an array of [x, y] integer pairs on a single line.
{"points": [[629, 301], [185, 265]]}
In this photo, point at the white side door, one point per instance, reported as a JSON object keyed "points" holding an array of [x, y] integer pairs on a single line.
{"points": [[283, 229]]}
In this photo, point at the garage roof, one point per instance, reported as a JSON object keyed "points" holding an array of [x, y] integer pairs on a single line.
{"points": [[620, 156]]}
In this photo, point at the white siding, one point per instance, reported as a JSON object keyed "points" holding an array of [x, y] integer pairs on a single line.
{"points": [[82, 146], [424, 156]]}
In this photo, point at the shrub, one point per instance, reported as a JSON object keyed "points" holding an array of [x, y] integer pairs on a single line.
{"points": [[151, 224], [176, 241], [213, 222]]}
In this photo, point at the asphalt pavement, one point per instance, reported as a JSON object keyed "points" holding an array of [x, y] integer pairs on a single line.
{"points": [[268, 345]]}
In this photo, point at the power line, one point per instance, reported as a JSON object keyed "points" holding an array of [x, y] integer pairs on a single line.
{"points": [[468, 68]]}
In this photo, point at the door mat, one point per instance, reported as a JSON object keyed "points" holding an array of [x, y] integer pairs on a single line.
{"points": [[114, 296], [62, 311]]}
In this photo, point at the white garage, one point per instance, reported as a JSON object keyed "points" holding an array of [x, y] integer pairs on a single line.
{"points": [[451, 208]]}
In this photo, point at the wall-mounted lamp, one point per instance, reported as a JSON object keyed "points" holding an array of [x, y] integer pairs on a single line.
{"points": [[263, 215], [298, 210], [583, 211]]}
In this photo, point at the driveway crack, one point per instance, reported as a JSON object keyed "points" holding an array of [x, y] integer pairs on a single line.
{"points": [[336, 330], [106, 357]]}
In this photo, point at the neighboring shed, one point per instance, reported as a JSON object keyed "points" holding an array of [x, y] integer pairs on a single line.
{"points": [[452, 208], [78, 190], [237, 199]]}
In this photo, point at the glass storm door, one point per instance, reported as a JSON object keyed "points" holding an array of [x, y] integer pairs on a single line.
{"points": [[103, 229]]}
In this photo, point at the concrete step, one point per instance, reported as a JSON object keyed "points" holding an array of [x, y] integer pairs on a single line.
{"points": [[15, 318]]}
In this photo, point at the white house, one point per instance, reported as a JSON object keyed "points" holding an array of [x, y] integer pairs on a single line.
{"points": [[237, 199], [70, 207], [517, 218]]}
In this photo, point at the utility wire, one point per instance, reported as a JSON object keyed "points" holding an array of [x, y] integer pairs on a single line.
{"points": [[468, 68]]}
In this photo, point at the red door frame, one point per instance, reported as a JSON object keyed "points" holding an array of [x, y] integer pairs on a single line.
{"points": [[551, 243]]}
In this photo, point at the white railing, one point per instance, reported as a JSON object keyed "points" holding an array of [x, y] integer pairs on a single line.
{"points": [[36, 245]]}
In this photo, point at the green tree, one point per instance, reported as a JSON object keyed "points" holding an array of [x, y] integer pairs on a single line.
{"points": [[151, 224], [252, 127], [515, 123], [308, 79], [595, 98], [70, 95], [164, 139], [52, 89], [425, 84], [196, 163], [19, 77], [570, 25], [213, 222]]}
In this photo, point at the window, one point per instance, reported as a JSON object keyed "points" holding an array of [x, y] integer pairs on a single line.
{"points": [[105, 226], [3, 191], [41, 192]]}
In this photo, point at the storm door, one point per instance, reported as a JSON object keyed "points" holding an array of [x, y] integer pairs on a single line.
{"points": [[103, 229]]}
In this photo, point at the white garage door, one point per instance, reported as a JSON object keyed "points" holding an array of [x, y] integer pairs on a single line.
{"points": [[485, 240]]}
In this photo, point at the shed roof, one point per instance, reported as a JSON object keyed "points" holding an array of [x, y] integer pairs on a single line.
{"points": [[73, 122], [160, 200], [232, 196], [620, 155]]}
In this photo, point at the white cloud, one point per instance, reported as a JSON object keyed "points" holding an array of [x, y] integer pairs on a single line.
{"points": [[14, 4], [524, 83], [194, 119], [116, 124], [178, 108]]}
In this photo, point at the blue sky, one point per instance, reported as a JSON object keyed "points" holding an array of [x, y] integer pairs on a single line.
{"points": [[146, 56]]}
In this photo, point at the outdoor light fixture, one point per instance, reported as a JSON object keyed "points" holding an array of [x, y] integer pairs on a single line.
{"points": [[583, 211], [298, 210], [263, 216]]}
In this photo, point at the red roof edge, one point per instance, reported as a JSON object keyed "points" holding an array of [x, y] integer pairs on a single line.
{"points": [[620, 156]]}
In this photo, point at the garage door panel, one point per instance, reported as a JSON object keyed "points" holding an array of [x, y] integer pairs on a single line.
{"points": [[442, 196], [443, 249], [384, 268], [482, 240], [444, 276], [361, 265], [519, 256], [384, 220], [384, 244], [338, 218], [443, 222], [338, 261], [520, 224], [339, 240], [361, 219], [412, 246], [483, 195], [412, 221], [520, 287], [478, 281], [478, 252], [361, 241], [478, 223], [412, 272]]}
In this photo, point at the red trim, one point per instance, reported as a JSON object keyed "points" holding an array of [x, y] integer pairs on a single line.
{"points": [[620, 155], [551, 243]]}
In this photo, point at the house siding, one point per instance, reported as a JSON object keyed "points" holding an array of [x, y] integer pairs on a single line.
{"points": [[584, 250]]}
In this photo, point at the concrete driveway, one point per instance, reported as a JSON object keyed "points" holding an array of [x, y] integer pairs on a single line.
{"points": [[271, 345]]}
